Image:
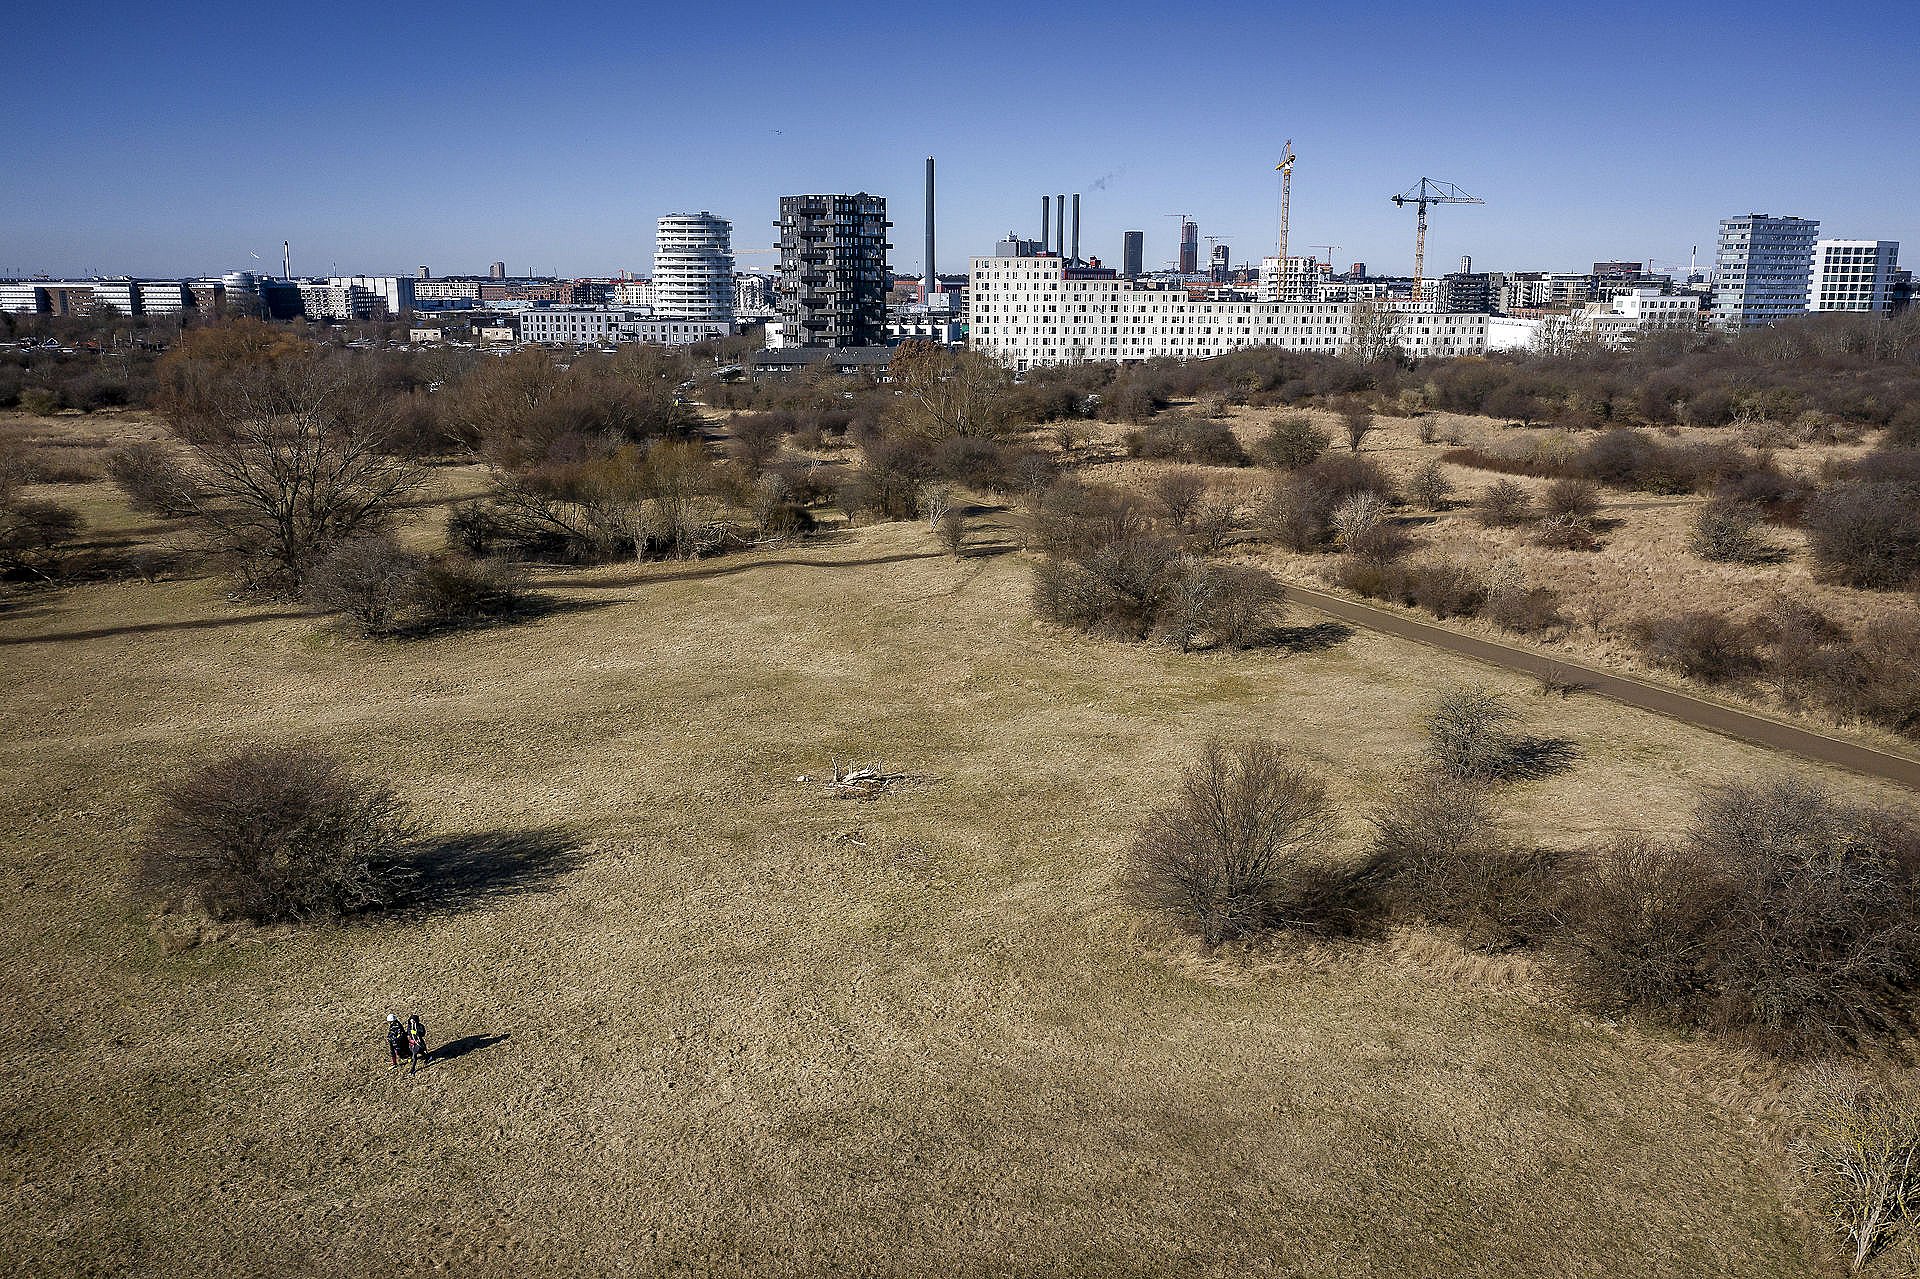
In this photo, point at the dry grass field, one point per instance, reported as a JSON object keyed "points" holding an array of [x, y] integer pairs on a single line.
{"points": [[709, 1021], [1642, 566]]}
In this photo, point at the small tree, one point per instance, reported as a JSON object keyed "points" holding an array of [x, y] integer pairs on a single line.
{"points": [[1726, 532], [371, 582], [1180, 492], [32, 532], [1469, 733], [1222, 857], [1503, 505], [152, 479], [278, 835], [1357, 422], [1430, 486], [1291, 442], [1859, 1155]]}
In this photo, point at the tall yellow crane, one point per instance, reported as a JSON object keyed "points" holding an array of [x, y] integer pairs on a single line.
{"points": [[1428, 192]]}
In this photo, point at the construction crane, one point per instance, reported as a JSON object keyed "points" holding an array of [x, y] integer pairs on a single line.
{"points": [[1331, 250], [1285, 167], [1428, 192]]}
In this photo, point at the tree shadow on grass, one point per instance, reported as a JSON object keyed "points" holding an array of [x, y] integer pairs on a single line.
{"points": [[1531, 758], [459, 872], [1317, 638]]}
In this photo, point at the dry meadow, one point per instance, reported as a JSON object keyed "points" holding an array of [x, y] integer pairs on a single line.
{"points": [[710, 1021]]}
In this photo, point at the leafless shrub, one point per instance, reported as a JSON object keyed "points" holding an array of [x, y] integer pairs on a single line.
{"points": [[1858, 1155], [1363, 525], [1469, 733], [1297, 514], [278, 834], [1565, 533], [1513, 605], [1179, 492], [1503, 505], [1225, 606], [1571, 496], [1866, 534], [1442, 857], [1726, 532], [152, 478], [952, 531], [1209, 526], [1358, 424], [1700, 643], [453, 590], [32, 533], [1785, 915], [1430, 487], [370, 581], [1231, 853], [1290, 442]]}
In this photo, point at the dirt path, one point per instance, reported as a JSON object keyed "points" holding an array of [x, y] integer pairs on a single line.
{"points": [[1745, 725]]}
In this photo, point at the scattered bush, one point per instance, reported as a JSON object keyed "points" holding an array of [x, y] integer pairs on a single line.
{"points": [[1858, 1155], [1469, 734], [1565, 533], [1442, 858], [370, 581], [1357, 423], [1702, 644], [1226, 606], [1570, 497], [1179, 492], [278, 835], [1785, 914], [32, 532], [1866, 534], [151, 478], [1725, 532], [1178, 437], [1232, 853], [1503, 505], [1430, 487], [1291, 441]]}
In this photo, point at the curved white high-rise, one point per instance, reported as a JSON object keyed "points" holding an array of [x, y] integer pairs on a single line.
{"points": [[693, 267]]}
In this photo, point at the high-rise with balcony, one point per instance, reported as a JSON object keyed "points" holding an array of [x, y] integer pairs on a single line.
{"points": [[1853, 275], [693, 267], [833, 269], [1761, 270]]}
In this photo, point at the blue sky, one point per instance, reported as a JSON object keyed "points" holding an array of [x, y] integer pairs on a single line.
{"points": [[174, 139]]}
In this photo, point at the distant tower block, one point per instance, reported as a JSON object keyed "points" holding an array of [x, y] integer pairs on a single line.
{"points": [[693, 267], [1132, 253], [497, 271], [1189, 248]]}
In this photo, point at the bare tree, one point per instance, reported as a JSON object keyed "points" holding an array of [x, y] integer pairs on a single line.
{"points": [[1222, 855], [941, 393], [1859, 1155], [1374, 332], [284, 472], [1357, 421], [1469, 732], [1430, 486]]}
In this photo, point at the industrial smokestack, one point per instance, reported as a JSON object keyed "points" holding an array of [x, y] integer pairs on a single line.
{"points": [[933, 280], [1060, 225], [1046, 222], [286, 262], [1075, 258]]}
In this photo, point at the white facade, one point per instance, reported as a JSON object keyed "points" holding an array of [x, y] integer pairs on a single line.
{"points": [[446, 290], [1300, 282], [1761, 269], [633, 293], [1624, 316], [693, 267], [603, 326], [1035, 311], [321, 300], [394, 291], [1853, 275], [1513, 333], [753, 297]]}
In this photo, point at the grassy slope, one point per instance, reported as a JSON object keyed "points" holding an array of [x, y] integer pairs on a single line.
{"points": [[740, 1041]]}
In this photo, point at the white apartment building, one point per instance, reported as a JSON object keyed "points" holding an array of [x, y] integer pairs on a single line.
{"points": [[396, 292], [1853, 275], [604, 326], [693, 267], [1629, 313], [633, 293], [446, 290], [1301, 280], [1027, 312], [323, 300], [1761, 269]]}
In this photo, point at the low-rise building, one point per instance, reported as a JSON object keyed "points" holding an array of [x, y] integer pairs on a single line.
{"points": [[604, 326]]}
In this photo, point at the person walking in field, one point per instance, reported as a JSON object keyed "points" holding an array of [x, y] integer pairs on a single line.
{"points": [[416, 1043], [396, 1040]]}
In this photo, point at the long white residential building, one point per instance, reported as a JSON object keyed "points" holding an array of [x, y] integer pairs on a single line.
{"points": [[1030, 311], [598, 326]]}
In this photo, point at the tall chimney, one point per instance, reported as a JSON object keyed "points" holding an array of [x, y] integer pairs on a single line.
{"points": [[1060, 225], [933, 280], [1046, 221], [1075, 259]]}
